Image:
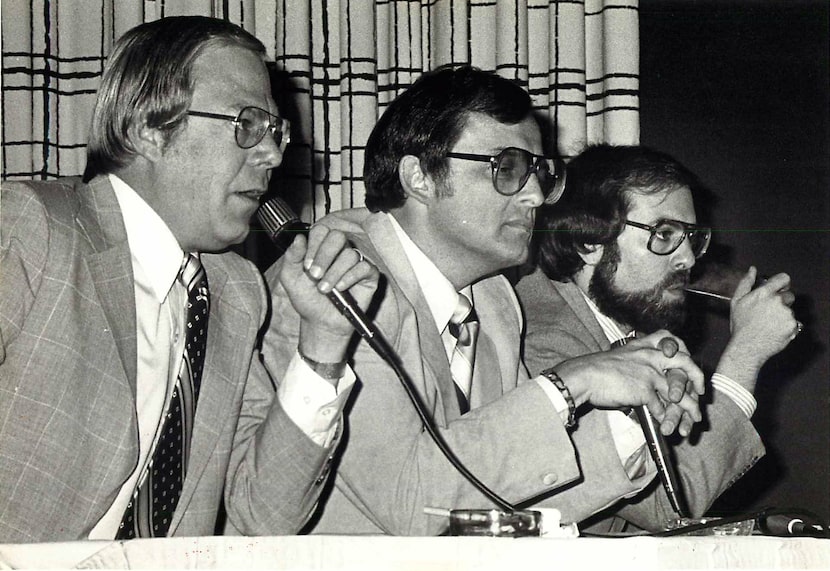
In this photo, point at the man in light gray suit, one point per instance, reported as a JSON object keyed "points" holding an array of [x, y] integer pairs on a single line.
{"points": [[454, 173], [614, 257], [132, 395]]}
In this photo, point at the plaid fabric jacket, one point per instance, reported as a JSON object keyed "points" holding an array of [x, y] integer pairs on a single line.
{"points": [[68, 428]]}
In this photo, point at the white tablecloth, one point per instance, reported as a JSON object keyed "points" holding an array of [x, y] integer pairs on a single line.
{"points": [[365, 553]]}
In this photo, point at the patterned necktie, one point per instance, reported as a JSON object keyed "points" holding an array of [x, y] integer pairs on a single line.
{"points": [[151, 509], [463, 327]]}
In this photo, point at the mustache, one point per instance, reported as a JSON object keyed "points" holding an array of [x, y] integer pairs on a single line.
{"points": [[679, 278]]}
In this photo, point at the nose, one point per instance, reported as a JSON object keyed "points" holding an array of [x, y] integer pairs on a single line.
{"points": [[267, 154], [684, 258], [531, 192]]}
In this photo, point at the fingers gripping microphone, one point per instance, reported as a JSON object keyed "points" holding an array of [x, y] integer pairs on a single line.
{"points": [[282, 225]]}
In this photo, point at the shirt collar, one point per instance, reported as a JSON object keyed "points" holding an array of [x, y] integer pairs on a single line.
{"points": [[439, 292], [609, 326], [152, 245]]}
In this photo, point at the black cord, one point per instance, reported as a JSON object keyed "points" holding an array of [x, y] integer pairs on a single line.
{"points": [[758, 517], [382, 348]]}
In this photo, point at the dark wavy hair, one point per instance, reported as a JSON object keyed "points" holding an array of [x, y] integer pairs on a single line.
{"points": [[427, 120], [148, 79], [596, 201]]}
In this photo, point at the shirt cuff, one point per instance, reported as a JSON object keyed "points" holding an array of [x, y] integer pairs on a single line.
{"points": [[311, 402], [628, 435], [742, 397]]}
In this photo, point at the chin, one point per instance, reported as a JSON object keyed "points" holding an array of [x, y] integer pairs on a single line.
{"points": [[517, 257]]}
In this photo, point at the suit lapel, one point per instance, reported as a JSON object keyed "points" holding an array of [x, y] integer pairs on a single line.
{"points": [[110, 267], [576, 302], [498, 346], [393, 261]]}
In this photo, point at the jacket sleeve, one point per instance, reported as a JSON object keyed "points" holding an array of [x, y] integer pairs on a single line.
{"points": [[276, 471], [720, 450], [391, 469]]}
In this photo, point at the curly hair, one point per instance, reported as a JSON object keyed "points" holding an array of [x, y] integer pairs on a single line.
{"points": [[595, 205]]}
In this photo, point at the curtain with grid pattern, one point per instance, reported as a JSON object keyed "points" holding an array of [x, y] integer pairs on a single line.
{"points": [[338, 63]]}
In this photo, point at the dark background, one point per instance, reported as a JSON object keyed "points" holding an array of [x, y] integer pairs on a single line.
{"points": [[738, 92]]}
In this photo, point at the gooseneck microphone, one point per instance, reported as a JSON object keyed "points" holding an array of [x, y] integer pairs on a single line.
{"points": [[282, 225]]}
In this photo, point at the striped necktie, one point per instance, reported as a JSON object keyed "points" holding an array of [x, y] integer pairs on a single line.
{"points": [[463, 326], [151, 509]]}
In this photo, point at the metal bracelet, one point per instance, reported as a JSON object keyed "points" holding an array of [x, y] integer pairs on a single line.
{"points": [[557, 381]]}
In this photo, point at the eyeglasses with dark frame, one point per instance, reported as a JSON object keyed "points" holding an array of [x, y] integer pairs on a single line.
{"points": [[251, 124], [513, 166], [667, 235]]}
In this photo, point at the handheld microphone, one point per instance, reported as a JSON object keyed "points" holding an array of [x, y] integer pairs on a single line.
{"points": [[659, 450], [282, 226]]}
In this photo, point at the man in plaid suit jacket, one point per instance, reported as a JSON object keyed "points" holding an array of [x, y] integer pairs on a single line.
{"points": [[80, 313]]}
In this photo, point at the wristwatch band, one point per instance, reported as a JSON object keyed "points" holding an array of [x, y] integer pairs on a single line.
{"points": [[328, 371]]}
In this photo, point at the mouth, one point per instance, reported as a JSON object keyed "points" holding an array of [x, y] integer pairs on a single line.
{"points": [[677, 290], [525, 226], [254, 194]]}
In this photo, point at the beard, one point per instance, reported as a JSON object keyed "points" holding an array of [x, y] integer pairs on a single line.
{"points": [[645, 310]]}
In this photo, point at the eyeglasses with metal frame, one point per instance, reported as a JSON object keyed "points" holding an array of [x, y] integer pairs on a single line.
{"points": [[667, 235], [251, 125], [512, 167]]}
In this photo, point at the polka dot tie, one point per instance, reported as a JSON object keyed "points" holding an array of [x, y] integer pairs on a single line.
{"points": [[151, 509], [463, 327]]}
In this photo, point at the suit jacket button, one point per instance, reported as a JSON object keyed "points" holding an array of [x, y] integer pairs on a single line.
{"points": [[549, 479]]}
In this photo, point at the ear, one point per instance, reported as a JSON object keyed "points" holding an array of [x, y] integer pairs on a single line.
{"points": [[148, 142], [416, 184], [591, 254]]}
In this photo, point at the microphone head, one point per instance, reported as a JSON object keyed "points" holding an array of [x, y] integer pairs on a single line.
{"points": [[275, 216], [280, 222]]}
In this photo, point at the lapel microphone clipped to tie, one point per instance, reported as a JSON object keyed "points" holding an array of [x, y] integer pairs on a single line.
{"points": [[282, 226], [657, 445]]}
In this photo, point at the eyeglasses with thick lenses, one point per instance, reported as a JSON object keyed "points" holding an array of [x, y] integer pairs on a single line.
{"points": [[251, 125], [667, 235], [513, 166]]}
